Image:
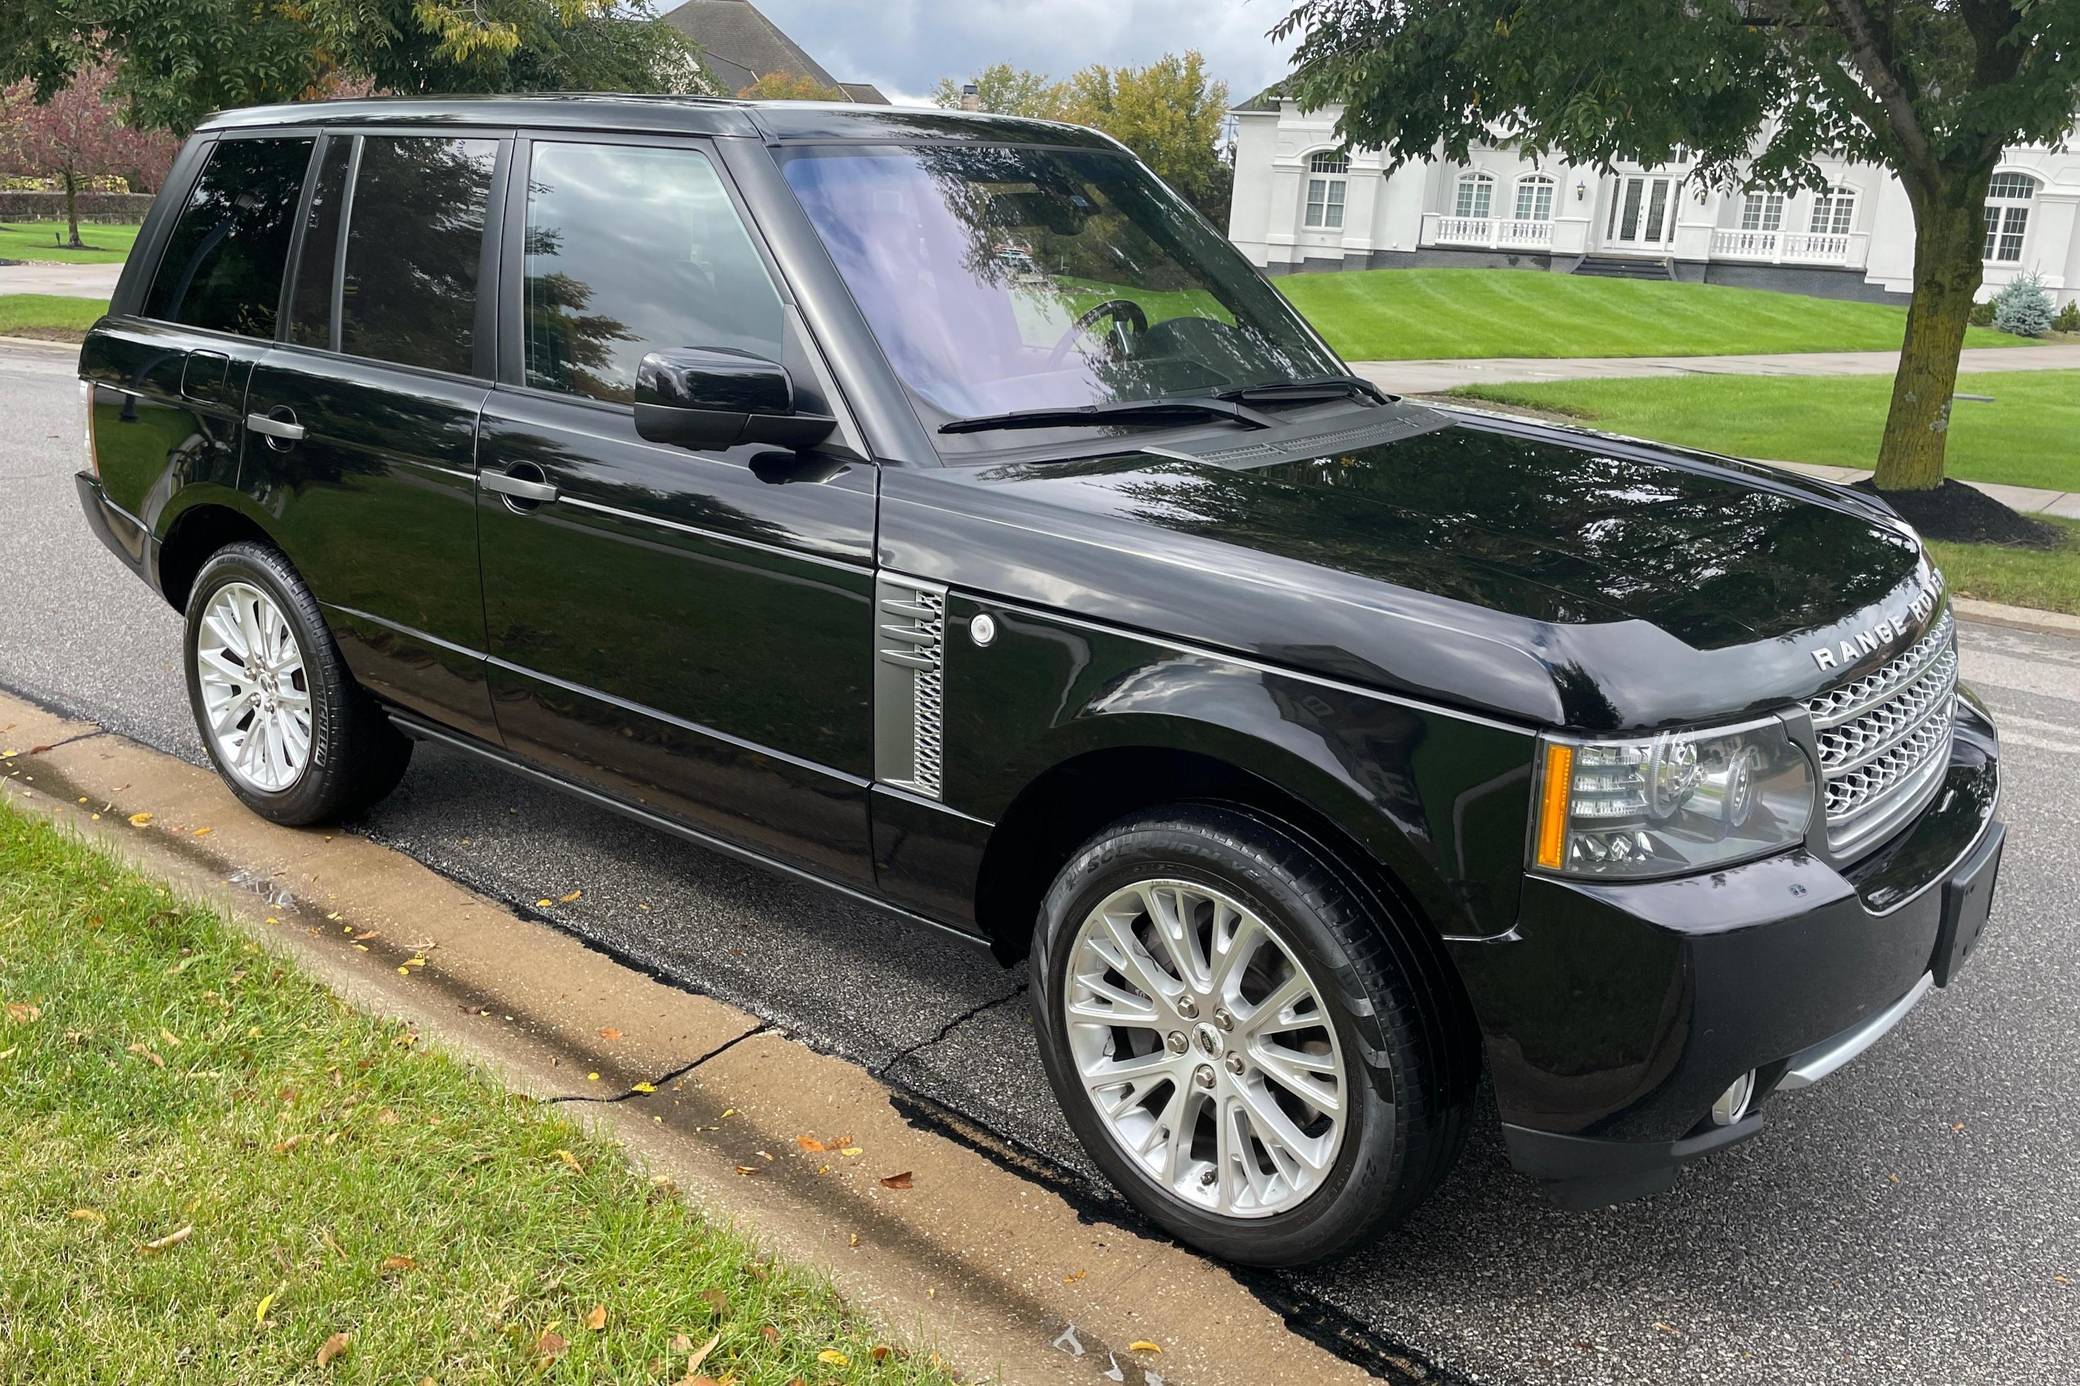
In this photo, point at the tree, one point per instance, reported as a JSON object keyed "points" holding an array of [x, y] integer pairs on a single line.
{"points": [[174, 61], [786, 86], [1007, 90], [1168, 113], [1931, 89], [76, 137]]}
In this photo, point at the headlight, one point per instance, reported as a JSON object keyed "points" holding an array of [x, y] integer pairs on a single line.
{"points": [[1670, 804]]}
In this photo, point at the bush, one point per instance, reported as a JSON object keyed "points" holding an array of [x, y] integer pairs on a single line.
{"points": [[2068, 319], [1981, 314], [2022, 307]]}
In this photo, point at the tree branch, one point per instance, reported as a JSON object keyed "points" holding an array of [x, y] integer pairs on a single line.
{"points": [[1870, 52]]}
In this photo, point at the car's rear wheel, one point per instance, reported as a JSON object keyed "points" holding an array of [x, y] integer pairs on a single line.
{"points": [[283, 721], [1234, 1042]]}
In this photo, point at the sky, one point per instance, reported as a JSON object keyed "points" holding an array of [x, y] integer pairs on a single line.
{"points": [[905, 46]]}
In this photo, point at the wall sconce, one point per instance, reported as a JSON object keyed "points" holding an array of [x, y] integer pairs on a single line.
{"points": [[1581, 190]]}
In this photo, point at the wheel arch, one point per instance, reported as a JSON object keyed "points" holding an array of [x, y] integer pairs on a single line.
{"points": [[200, 527]]}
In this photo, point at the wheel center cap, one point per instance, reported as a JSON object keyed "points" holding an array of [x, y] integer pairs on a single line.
{"points": [[1209, 1040]]}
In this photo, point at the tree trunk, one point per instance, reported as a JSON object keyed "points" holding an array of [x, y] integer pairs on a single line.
{"points": [[1948, 244], [72, 210]]}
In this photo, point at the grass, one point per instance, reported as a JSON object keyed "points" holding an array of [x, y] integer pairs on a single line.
{"points": [[107, 244], [1399, 315], [49, 315], [2024, 436], [162, 1072], [2047, 580]]}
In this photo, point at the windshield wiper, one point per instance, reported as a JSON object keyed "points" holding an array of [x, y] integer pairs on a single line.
{"points": [[1314, 387], [1166, 410]]}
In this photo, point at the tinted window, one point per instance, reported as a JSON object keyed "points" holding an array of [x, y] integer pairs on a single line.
{"points": [[413, 240], [222, 267], [630, 250], [310, 306]]}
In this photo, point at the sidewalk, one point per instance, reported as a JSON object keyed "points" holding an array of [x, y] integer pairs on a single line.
{"points": [[72, 281], [2030, 500], [1435, 377]]}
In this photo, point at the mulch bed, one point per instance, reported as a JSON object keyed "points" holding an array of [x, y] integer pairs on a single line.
{"points": [[1966, 515]]}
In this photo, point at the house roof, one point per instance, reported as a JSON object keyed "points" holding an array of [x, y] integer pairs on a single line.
{"points": [[740, 45], [1265, 100]]}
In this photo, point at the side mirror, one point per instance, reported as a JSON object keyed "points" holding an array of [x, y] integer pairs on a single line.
{"points": [[700, 398]]}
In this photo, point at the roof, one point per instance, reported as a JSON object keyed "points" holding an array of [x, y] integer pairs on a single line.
{"points": [[1265, 100], [739, 45], [819, 121]]}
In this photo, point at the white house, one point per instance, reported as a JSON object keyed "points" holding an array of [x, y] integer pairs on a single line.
{"points": [[1301, 204]]}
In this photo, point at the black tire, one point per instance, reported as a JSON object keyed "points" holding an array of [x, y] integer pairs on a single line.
{"points": [[1407, 1119], [356, 755]]}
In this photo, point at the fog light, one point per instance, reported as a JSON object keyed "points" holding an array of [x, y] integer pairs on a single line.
{"points": [[1733, 1103]]}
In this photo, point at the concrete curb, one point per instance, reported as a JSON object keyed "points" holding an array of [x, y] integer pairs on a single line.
{"points": [[2027, 618], [1004, 1276]]}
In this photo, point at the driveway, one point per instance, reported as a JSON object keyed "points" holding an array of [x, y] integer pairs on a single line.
{"points": [[1914, 1219], [72, 281], [1435, 377]]}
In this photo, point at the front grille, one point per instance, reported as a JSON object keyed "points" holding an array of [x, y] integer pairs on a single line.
{"points": [[1885, 738]]}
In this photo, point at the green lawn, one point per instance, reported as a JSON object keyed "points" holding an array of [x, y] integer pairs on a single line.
{"points": [[214, 1168], [1398, 315], [43, 240], [48, 315], [2049, 581], [2029, 435]]}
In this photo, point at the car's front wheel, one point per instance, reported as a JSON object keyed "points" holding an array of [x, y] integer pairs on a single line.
{"points": [[283, 721], [1233, 1040]]}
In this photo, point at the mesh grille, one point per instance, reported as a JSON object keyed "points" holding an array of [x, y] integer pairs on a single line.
{"points": [[1882, 737]]}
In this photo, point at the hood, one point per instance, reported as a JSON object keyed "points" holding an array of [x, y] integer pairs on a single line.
{"points": [[1581, 553]]}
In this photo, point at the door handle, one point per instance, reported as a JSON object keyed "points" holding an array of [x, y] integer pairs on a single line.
{"points": [[279, 425], [518, 487]]}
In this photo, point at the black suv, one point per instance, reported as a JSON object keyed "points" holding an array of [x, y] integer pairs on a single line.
{"points": [[933, 506]]}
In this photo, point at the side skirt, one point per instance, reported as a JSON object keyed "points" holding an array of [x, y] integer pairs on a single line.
{"points": [[420, 730]]}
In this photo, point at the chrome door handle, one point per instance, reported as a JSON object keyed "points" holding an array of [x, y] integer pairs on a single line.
{"points": [[518, 487], [288, 430]]}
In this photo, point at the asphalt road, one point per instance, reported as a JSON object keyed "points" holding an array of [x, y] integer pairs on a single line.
{"points": [[1914, 1219]]}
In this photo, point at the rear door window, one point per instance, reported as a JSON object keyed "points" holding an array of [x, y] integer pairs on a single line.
{"points": [[415, 236], [310, 305], [222, 267]]}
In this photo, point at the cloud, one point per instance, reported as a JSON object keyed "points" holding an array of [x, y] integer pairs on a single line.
{"points": [[908, 45]]}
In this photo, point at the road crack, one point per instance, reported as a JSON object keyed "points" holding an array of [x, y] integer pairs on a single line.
{"points": [[882, 1069], [762, 1028]]}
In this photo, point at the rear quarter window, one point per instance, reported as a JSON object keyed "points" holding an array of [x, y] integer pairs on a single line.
{"points": [[222, 267]]}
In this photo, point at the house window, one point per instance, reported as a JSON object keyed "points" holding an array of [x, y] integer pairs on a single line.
{"points": [[1834, 212], [1535, 197], [2007, 215], [1762, 211], [1325, 181], [1475, 197]]}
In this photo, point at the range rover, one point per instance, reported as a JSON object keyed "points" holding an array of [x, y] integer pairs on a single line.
{"points": [[933, 506]]}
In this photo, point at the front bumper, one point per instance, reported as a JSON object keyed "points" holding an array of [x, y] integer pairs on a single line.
{"points": [[1615, 1014]]}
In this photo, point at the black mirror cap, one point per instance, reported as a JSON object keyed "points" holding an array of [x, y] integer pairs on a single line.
{"points": [[717, 398]]}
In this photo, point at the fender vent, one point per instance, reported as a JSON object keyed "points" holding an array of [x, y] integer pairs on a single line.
{"points": [[909, 684]]}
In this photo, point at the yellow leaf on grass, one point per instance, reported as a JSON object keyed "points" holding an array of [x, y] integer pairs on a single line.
{"points": [[85, 1215], [266, 1302], [831, 1357], [171, 1038], [700, 1354], [22, 1012], [334, 1346], [1144, 1345], [171, 1239], [571, 1160], [393, 1264], [597, 1319], [138, 820]]}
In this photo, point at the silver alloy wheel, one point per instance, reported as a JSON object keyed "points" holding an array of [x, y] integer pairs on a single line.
{"points": [[1205, 1048], [256, 698]]}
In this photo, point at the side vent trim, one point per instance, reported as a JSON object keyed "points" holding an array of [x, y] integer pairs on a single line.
{"points": [[909, 683]]}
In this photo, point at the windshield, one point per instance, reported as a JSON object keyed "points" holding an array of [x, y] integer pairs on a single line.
{"points": [[1002, 278]]}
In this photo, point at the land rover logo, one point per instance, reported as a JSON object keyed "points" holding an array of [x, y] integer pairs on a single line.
{"points": [[1877, 637]]}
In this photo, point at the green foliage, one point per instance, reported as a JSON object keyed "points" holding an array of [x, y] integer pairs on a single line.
{"points": [[1007, 90], [2068, 319], [2022, 307], [1981, 315], [784, 86], [177, 60]]}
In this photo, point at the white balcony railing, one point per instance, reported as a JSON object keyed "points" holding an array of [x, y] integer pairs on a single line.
{"points": [[1494, 233], [1789, 247]]}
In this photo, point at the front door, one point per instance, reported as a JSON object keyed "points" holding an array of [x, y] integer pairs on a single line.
{"points": [[1643, 213], [687, 631]]}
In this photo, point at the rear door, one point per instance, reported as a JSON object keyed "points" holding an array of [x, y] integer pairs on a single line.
{"points": [[363, 421], [169, 370]]}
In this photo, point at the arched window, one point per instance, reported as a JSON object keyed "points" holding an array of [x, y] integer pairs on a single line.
{"points": [[1834, 212], [1762, 211], [2007, 215], [1325, 176], [1535, 197], [1475, 196]]}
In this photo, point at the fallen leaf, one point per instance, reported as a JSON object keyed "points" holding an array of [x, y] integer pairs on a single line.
{"points": [[644, 1087], [366, 934], [680, 1343], [21, 1012], [387, 1117], [139, 820], [2061, 1280], [283, 1147], [571, 1160], [718, 1301], [897, 1181], [1957, 1126], [831, 1357], [393, 1264], [592, 1077], [1074, 1276], [171, 1239], [597, 1319], [700, 1354], [609, 1034], [1670, 1329], [204, 832], [769, 1333], [853, 1240], [171, 1038], [334, 1346], [880, 1352], [1144, 1345], [85, 1215], [850, 1151], [811, 1144], [747, 1169], [550, 1344], [543, 904], [266, 1300], [571, 898]]}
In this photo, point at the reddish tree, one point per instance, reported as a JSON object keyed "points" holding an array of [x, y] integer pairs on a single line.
{"points": [[75, 137]]}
